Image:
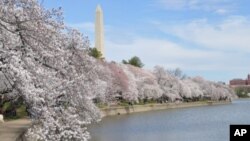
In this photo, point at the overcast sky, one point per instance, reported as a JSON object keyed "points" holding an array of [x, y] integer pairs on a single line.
{"points": [[208, 38]]}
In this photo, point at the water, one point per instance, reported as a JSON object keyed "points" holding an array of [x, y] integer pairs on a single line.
{"points": [[207, 123]]}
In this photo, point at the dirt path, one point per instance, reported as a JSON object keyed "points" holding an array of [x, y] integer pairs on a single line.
{"points": [[10, 130]]}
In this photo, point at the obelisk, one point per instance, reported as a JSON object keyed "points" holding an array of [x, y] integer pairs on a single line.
{"points": [[99, 33]]}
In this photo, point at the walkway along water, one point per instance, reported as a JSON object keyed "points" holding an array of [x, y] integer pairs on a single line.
{"points": [[10, 130], [118, 110]]}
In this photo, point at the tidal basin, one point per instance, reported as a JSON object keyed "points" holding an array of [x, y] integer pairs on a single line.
{"points": [[206, 123]]}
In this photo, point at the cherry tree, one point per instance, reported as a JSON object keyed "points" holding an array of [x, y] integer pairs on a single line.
{"points": [[205, 86], [132, 92], [169, 84], [190, 89], [214, 91], [50, 69], [119, 82], [222, 92], [147, 85]]}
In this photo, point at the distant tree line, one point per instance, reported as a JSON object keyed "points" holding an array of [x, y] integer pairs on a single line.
{"points": [[242, 91]]}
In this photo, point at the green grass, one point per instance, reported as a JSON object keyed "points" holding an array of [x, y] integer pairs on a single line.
{"points": [[6, 106], [123, 103], [102, 105], [20, 111]]}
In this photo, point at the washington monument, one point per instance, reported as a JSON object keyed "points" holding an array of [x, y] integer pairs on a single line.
{"points": [[99, 33]]}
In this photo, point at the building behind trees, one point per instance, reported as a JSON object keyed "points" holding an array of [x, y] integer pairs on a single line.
{"points": [[240, 82]]}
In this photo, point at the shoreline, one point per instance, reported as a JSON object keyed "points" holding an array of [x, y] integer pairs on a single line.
{"points": [[123, 110], [13, 129]]}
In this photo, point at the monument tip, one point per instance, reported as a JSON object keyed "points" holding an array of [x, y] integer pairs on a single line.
{"points": [[98, 8]]}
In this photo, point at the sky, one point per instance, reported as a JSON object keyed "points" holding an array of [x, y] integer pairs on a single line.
{"points": [[208, 38]]}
